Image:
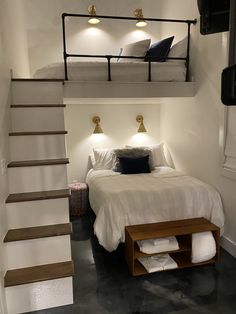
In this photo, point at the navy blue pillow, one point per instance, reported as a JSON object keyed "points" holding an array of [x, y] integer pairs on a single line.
{"points": [[131, 165], [160, 50]]}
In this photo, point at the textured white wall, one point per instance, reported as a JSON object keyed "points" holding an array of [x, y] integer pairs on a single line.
{"points": [[191, 127], [4, 127], [45, 32], [119, 126]]}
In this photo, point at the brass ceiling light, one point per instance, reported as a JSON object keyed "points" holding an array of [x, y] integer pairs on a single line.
{"points": [[141, 21], [96, 120], [141, 128], [93, 12]]}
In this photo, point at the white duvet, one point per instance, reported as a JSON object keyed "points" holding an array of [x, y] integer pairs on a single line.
{"points": [[165, 194]]}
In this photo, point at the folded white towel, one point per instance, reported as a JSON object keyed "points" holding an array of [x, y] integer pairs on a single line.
{"points": [[147, 246], [158, 263], [160, 241], [203, 246]]}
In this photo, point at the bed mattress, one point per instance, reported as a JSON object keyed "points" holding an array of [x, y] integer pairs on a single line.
{"points": [[163, 195], [172, 71]]}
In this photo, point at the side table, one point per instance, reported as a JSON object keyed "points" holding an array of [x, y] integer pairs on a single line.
{"points": [[78, 201]]}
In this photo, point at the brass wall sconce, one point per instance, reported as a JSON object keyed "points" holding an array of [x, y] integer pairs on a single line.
{"points": [[96, 120], [93, 12], [141, 21], [141, 128]]}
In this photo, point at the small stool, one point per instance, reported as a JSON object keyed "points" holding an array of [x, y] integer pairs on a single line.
{"points": [[78, 201]]}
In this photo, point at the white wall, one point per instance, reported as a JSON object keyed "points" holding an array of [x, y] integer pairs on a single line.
{"points": [[45, 32], [17, 46], [119, 127], [191, 127], [4, 126]]}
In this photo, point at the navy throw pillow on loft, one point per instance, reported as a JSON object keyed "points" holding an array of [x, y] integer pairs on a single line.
{"points": [[159, 50], [132, 165]]}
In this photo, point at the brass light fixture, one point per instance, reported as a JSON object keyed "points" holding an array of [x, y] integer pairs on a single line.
{"points": [[141, 21], [96, 120], [93, 12], [141, 128]]}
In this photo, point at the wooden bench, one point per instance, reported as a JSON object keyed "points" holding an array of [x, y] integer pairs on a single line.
{"points": [[181, 229]]}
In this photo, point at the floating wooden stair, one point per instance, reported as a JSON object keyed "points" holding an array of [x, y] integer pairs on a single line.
{"points": [[36, 80], [35, 196], [45, 162], [37, 133], [39, 106], [33, 274], [38, 232]]}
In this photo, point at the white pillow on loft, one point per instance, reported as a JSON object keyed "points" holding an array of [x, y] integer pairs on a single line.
{"points": [[203, 247], [104, 158], [179, 50], [158, 155], [136, 49]]}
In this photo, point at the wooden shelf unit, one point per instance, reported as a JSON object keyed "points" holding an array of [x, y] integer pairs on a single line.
{"points": [[181, 229]]}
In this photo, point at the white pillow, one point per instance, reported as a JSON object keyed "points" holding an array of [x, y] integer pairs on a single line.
{"points": [[179, 50], [203, 247], [104, 158], [137, 49], [158, 156]]}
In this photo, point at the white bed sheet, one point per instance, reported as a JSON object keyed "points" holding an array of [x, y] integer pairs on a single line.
{"points": [[163, 195], [172, 71]]}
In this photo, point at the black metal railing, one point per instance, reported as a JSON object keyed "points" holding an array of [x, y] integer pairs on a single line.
{"points": [[110, 57]]}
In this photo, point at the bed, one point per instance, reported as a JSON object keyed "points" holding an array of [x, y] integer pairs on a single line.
{"points": [[172, 71], [164, 194]]}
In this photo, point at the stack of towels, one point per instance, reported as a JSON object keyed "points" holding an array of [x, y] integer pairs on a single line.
{"points": [[158, 262], [158, 245]]}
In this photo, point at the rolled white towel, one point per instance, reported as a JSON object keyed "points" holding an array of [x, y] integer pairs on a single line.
{"points": [[158, 262], [147, 246], [203, 247]]}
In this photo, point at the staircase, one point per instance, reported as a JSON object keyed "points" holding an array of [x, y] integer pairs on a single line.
{"points": [[37, 244]]}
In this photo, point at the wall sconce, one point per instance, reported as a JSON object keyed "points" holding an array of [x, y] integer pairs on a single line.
{"points": [[96, 120], [93, 12], [139, 14], [141, 128]]}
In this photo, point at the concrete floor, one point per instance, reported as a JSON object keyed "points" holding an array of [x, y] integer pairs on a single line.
{"points": [[102, 283]]}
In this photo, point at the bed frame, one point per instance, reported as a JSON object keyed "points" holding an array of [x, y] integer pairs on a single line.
{"points": [[67, 55]]}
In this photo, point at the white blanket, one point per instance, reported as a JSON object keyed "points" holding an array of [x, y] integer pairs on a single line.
{"points": [[163, 195]]}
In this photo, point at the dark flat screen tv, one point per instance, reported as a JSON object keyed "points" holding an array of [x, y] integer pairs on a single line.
{"points": [[214, 16]]}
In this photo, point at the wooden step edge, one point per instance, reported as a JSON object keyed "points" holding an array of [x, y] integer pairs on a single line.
{"points": [[37, 133], [36, 80], [39, 106], [27, 275], [38, 232], [43, 162], [37, 196]]}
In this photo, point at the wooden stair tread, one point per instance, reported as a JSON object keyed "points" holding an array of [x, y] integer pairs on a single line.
{"points": [[33, 274], [36, 80], [43, 162], [39, 106], [37, 133], [38, 232], [35, 196]]}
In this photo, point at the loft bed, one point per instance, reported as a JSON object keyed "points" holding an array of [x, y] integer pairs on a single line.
{"points": [[122, 76]]}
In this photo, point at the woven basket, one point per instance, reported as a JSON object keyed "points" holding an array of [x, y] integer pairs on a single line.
{"points": [[78, 201]]}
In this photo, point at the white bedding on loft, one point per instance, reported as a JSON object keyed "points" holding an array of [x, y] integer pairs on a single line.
{"points": [[172, 71], [164, 194]]}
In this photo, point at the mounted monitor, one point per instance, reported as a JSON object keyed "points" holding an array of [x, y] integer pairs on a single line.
{"points": [[214, 16]]}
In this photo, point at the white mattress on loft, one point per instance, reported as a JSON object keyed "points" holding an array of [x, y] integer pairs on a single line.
{"points": [[172, 71]]}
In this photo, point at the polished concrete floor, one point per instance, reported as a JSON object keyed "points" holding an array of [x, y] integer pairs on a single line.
{"points": [[103, 285]]}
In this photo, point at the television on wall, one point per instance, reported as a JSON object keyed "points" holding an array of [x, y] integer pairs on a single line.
{"points": [[214, 16]]}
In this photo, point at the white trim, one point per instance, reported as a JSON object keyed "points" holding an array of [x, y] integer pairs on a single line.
{"points": [[229, 245]]}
